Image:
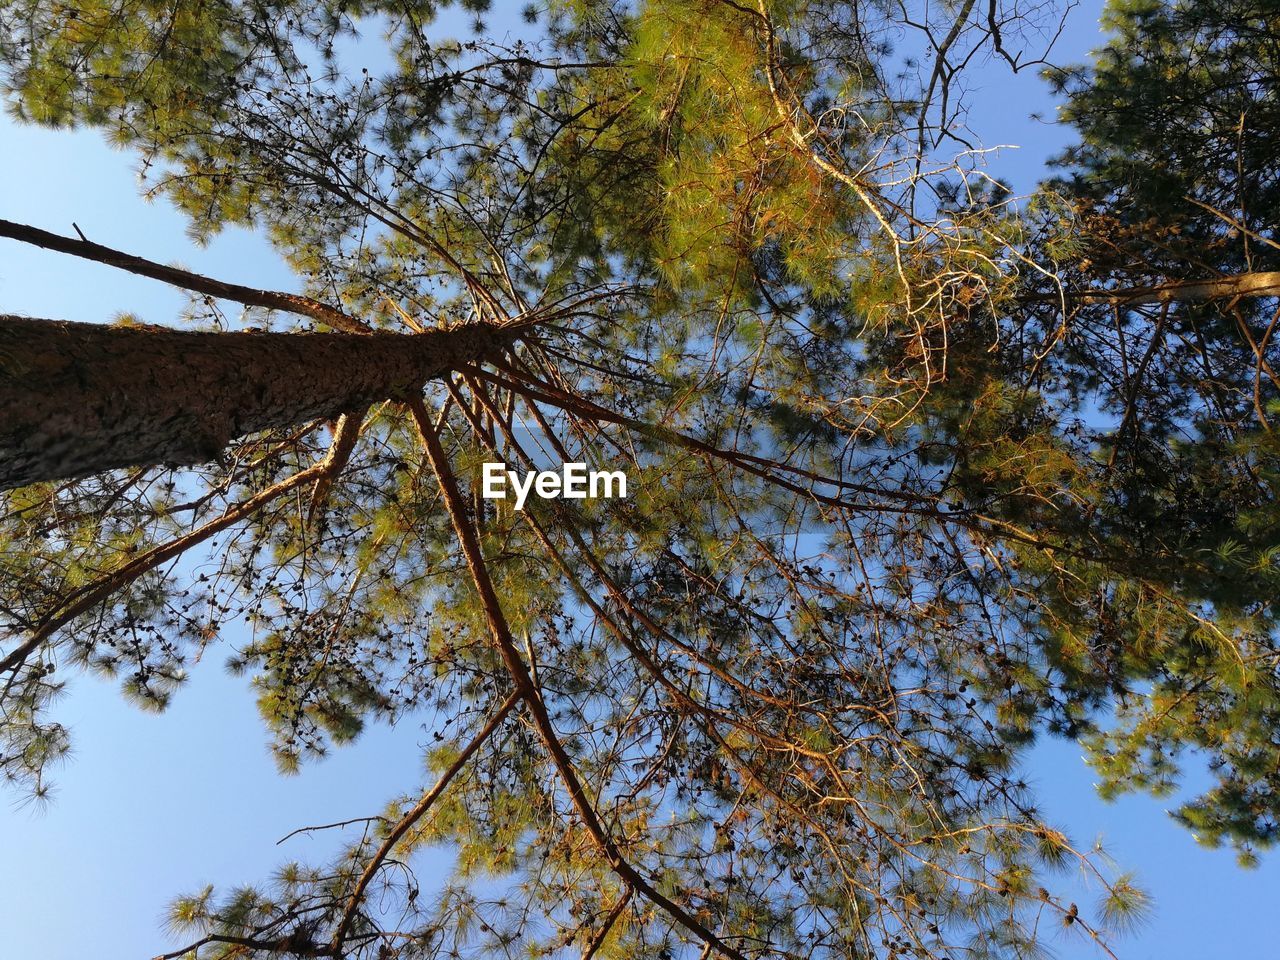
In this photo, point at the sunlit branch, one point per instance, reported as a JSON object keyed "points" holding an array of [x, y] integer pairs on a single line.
{"points": [[412, 816], [470, 546]]}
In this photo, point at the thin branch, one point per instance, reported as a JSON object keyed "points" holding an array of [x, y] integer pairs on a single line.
{"points": [[93, 593], [331, 826], [598, 940], [415, 814]]}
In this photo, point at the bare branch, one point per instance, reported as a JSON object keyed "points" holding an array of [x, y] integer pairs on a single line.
{"points": [[184, 279]]}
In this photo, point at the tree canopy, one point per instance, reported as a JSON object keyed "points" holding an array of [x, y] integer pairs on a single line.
{"points": [[919, 473]]}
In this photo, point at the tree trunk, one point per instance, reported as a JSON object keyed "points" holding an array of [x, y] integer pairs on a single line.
{"points": [[80, 398]]}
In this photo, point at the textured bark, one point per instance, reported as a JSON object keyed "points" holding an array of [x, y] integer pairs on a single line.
{"points": [[79, 398]]}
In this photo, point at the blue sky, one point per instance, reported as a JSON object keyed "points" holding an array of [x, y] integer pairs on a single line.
{"points": [[152, 806]]}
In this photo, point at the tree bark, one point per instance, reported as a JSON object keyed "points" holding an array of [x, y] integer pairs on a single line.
{"points": [[1243, 285], [80, 398]]}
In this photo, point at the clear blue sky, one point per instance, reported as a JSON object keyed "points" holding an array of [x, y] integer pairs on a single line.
{"points": [[152, 806]]}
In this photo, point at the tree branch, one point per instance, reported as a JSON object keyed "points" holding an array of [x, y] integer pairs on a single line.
{"points": [[415, 814], [470, 545], [1243, 285], [184, 279], [346, 431], [93, 593]]}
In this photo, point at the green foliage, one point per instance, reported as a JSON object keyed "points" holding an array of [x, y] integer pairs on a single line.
{"points": [[894, 514], [1173, 181]]}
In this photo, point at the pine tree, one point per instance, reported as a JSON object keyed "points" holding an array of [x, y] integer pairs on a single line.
{"points": [[1163, 227], [881, 532]]}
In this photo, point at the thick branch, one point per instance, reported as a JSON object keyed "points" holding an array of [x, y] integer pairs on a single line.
{"points": [[346, 431], [184, 279]]}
